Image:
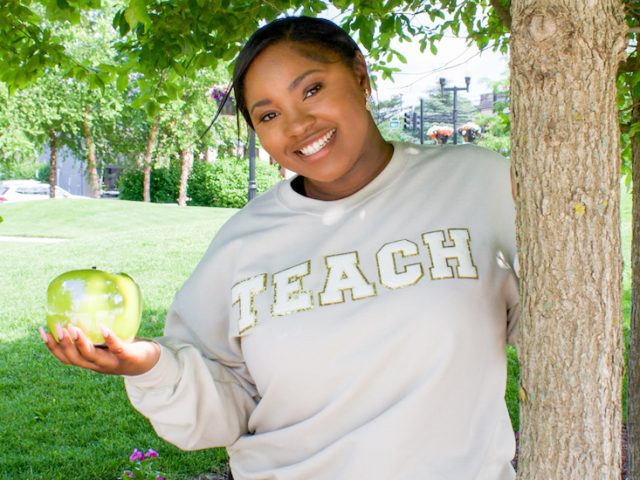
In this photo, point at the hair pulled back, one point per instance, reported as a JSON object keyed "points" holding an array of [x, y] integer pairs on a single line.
{"points": [[304, 30]]}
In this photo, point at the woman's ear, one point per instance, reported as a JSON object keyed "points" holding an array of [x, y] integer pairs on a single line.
{"points": [[361, 72]]}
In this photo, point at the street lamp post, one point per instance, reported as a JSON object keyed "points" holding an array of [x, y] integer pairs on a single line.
{"points": [[455, 90]]}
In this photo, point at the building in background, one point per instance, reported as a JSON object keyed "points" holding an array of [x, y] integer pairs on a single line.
{"points": [[489, 100], [69, 172]]}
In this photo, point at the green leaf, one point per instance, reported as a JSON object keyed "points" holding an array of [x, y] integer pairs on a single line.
{"points": [[122, 82], [136, 14], [171, 90], [152, 108]]}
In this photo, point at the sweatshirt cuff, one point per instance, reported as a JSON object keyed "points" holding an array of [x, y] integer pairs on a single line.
{"points": [[165, 373]]}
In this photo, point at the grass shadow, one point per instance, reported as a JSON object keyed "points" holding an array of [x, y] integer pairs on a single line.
{"points": [[62, 422]]}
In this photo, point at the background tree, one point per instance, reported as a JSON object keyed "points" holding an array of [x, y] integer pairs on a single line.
{"points": [[387, 115], [18, 153], [89, 42], [184, 121], [497, 125], [51, 112]]}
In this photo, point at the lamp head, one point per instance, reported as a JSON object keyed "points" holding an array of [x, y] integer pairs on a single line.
{"points": [[467, 81]]}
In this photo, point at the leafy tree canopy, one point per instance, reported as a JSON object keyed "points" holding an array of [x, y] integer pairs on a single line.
{"points": [[167, 40]]}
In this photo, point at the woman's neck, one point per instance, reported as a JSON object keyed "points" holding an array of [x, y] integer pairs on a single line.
{"points": [[373, 161]]}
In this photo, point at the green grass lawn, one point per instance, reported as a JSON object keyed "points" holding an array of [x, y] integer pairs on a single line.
{"points": [[58, 422]]}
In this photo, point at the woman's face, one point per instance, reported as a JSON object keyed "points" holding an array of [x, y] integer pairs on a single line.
{"points": [[308, 109]]}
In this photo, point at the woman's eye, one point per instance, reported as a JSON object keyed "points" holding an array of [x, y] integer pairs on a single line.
{"points": [[267, 117], [312, 91]]}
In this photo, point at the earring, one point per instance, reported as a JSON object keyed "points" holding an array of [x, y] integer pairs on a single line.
{"points": [[367, 104]]}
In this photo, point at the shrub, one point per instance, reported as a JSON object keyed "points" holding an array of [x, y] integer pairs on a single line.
{"points": [[165, 184], [226, 182], [130, 184], [43, 173], [18, 170], [221, 184]]}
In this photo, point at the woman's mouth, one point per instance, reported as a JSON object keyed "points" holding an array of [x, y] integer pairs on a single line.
{"points": [[319, 144]]}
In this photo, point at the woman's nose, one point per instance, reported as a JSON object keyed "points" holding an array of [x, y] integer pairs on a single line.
{"points": [[299, 121]]}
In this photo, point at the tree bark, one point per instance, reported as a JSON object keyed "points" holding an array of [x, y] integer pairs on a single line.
{"points": [[633, 390], [53, 162], [146, 162], [186, 163], [92, 167], [566, 160]]}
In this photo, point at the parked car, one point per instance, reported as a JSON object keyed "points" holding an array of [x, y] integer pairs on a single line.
{"points": [[21, 190]]}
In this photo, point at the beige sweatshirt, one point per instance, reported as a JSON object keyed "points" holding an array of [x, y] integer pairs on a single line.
{"points": [[362, 338]]}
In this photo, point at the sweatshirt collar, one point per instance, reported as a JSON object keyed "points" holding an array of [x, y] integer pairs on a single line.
{"points": [[296, 202]]}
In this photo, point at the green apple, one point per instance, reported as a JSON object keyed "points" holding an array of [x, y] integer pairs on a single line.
{"points": [[90, 298]]}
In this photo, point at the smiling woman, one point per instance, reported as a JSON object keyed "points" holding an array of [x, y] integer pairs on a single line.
{"points": [[351, 322], [309, 113], [304, 89]]}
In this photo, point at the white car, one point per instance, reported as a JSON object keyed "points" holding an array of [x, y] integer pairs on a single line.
{"points": [[21, 190]]}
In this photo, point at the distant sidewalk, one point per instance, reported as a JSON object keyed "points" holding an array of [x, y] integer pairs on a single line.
{"points": [[11, 239]]}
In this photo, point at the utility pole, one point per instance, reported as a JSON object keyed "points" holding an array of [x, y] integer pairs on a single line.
{"points": [[455, 90], [252, 164], [421, 120]]}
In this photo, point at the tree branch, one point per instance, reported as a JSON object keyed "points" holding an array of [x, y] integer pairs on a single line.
{"points": [[502, 11]]}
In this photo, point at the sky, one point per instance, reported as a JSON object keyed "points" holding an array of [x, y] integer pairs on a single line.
{"points": [[454, 61]]}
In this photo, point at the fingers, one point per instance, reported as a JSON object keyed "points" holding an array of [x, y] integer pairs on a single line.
{"points": [[69, 344], [118, 357], [53, 347], [73, 348], [112, 342]]}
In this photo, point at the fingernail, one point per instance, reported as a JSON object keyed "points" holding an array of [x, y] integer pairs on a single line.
{"points": [[74, 332], [105, 331], [59, 331], [43, 335]]}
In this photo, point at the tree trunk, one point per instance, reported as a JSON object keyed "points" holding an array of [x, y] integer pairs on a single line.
{"points": [[633, 390], [210, 155], [186, 162], [146, 162], [566, 160], [53, 162], [92, 168]]}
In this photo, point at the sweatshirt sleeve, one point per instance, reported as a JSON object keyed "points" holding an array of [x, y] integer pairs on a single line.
{"points": [[502, 217], [507, 225], [200, 393]]}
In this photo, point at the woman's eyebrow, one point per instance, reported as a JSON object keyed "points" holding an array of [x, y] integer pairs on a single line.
{"points": [[299, 78], [296, 81], [260, 103]]}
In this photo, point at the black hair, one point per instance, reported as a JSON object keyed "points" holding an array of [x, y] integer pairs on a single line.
{"points": [[317, 32]]}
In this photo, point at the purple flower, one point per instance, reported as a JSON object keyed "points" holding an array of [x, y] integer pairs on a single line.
{"points": [[218, 93], [159, 477], [151, 453], [136, 456], [129, 473]]}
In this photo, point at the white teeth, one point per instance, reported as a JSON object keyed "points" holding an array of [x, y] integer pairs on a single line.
{"points": [[318, 144]]}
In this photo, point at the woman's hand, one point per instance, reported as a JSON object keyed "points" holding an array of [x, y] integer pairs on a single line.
{"points": [[116, 357]]}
